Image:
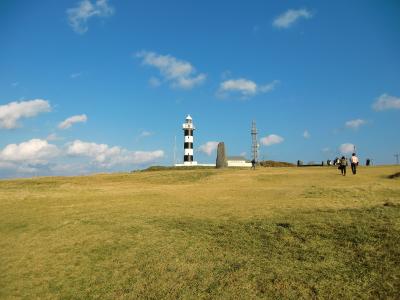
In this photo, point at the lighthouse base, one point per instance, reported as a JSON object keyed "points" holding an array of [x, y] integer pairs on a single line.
{"points": [[193, 164], [187, 163]]}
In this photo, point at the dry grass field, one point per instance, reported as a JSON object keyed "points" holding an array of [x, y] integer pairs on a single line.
{"points": [[226, 234]]}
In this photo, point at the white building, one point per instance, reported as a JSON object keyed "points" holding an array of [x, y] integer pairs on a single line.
{"points": [[238, 161]]}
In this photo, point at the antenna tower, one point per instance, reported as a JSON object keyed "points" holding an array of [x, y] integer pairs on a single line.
{"points": [[175, 150], [254, 142], [397, 158]]}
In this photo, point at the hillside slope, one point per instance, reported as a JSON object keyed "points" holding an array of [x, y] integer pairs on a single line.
{"points": [[269, 233]]}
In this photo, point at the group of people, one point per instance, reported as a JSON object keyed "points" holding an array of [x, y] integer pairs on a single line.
{"points": [[342, 162]]}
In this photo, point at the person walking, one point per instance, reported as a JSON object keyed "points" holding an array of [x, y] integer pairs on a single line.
{"points": [[253, 164], [354, 163], [343, 165]]}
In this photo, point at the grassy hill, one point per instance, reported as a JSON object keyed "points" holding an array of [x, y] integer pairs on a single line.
{"points": [[270, 233]]}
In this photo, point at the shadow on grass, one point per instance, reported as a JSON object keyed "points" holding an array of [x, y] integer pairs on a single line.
{"points": [[395, 175]]}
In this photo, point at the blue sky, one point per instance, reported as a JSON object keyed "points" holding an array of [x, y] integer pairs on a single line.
{"points": [[105, 85]]}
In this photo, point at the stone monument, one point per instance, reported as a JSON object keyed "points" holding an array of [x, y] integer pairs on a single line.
{"points": [[221, 156]]}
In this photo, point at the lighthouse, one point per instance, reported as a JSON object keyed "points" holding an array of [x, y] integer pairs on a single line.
{"points": [[188, 129]]}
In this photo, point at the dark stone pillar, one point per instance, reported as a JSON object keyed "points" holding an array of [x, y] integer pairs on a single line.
{"points": [[221, 156]]}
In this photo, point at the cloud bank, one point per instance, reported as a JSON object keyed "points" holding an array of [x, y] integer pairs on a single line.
{"points": [[105, 156], [12, 112], [44, 158]]}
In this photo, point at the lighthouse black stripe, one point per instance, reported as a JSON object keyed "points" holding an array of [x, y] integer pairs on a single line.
{"points": [[188, 132], [188, 158], [188, 146]]}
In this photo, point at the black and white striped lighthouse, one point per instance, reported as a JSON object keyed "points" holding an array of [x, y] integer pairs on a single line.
{"points": [[188, 129]]}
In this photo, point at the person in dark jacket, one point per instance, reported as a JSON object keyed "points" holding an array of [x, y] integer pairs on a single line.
{"points": [[343, 165], [253, 164]]}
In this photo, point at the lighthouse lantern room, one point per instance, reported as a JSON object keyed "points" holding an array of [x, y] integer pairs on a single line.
{"points": [[188, 129]]}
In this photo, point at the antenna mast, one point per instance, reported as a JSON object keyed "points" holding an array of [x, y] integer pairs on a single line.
{"points": [[397, 158], [254, 144], [175, 151]]}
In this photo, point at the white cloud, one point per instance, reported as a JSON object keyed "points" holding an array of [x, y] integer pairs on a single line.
{"points": [[10, 113], [209, 147], [385, 102], [67, 123], [35, 151], [271, 140], [80, 15], [306, 134], [105, 156], [180, 73], [355, 124], [245, 87], [27, 158], [44, 158], [291, 16], [346, 148]]}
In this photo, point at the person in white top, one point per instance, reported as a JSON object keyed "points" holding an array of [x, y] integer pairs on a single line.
{"points": [[354, 163]]}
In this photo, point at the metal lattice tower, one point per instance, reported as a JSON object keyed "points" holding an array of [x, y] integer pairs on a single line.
{"points": [[254, 142]]}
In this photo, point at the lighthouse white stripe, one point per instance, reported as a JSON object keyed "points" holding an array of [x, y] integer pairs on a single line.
{"points": [[188, 151], [188, 139]]}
